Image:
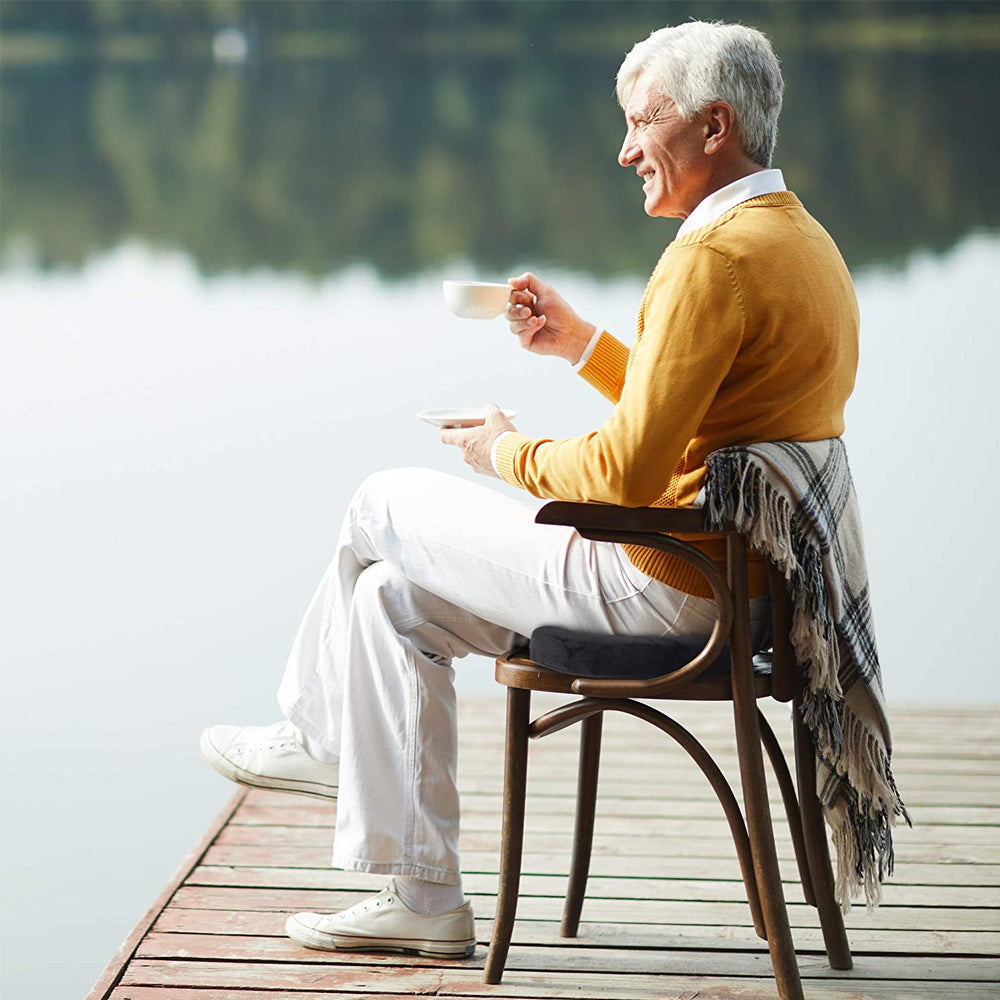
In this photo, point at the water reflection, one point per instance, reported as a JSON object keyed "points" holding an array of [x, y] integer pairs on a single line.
{"points": [[494, 152]]}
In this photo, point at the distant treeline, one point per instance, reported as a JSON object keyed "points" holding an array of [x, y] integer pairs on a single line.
{"points": [[488, 152], [430, 22]]}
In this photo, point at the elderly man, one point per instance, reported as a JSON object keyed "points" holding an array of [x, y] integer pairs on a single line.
{"points": [[747, 332]]}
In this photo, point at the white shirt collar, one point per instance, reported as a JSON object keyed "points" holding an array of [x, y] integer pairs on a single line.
{"points": [[721, 201]]}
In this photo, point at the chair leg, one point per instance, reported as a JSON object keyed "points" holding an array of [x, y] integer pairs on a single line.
{"points": [[838, 949], [751, 761], [583, 837], [512, 837], [792, 811], [765, 857]]}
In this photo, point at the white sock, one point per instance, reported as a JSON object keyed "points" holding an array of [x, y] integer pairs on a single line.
{"points": [[314, 750], [428, 898]]}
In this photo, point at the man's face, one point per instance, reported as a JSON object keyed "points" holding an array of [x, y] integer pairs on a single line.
{"points": [[667, 152]]}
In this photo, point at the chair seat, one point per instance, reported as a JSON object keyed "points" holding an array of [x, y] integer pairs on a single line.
{"points": [[587, 654], [597, 655], [519, 670]]}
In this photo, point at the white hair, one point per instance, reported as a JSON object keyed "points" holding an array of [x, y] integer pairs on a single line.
{"points": [[698, 63]]}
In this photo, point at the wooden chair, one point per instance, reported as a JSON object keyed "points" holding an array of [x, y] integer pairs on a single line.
{"points": [[730, 638]]}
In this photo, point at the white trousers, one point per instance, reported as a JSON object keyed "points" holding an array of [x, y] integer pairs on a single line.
{"points": [[430, 567]]}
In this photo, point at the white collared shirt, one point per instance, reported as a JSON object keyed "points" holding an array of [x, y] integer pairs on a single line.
{"points": [[719, 202], [707, 210]]}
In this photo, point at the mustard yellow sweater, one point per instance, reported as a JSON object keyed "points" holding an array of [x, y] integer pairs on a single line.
{"points": [[748, 331]]}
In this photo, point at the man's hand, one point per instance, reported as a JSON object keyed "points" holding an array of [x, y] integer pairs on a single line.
{"points": [[543, 320], [477, 442]]}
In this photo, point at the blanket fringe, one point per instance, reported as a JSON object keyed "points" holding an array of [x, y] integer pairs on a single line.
{"points": [[739, 495]]}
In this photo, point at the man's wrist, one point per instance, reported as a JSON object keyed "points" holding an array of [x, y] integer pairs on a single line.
{"points": [[588, 348], [494, 449]]}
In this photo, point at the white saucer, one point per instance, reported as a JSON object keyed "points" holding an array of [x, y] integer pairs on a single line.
{"points": [[464, 416]]}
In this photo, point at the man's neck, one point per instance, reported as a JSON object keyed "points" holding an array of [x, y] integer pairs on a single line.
{"points": [[722, 176]]}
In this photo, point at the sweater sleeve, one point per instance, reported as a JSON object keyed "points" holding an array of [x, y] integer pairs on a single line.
{"points": [[605, 368], [691, 332]]}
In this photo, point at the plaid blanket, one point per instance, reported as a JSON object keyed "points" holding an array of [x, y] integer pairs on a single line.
{"points": [[796, 502]]}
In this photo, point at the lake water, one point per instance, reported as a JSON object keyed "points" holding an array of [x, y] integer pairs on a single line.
{"points": [[221, 309]]}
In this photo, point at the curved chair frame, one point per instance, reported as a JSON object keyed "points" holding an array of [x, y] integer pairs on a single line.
{"points": [[752, 831]]}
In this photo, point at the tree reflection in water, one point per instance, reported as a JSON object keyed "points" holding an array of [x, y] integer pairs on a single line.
{"points": [[493, 141]]}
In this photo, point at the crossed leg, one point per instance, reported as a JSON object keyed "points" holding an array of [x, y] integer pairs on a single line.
{"points": [[427, 569]]}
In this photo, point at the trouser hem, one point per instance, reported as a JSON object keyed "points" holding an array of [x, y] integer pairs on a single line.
{"points": [[441, 876]]}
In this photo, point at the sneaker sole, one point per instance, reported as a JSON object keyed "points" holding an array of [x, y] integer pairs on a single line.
{"points": [[236, 774], [311, 938]]}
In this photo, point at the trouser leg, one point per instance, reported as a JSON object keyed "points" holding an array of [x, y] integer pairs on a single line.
{"points": [[427, 568]]}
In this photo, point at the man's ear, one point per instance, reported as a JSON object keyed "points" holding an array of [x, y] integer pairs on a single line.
{"points": [[720, 125]]}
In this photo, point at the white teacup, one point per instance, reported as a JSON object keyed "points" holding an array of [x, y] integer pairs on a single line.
{"points": [[476, 299]]}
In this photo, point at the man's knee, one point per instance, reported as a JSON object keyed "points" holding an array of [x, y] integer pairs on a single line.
{"points": [[383, 591], [410, 611]]}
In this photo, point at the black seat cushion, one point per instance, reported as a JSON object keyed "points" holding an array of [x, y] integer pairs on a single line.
{"points": [[586, 654]]}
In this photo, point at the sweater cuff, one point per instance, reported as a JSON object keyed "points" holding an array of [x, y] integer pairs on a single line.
{"points": [[493, 450], [605, 368], [506, 449], [588, 350]]}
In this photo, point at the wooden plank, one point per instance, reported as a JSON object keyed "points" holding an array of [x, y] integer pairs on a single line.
{"points": [[909, 745], [982, 944], [598, 887], [726, 964], [671, 988], [445, 980], [621, 826], [450, 981], [561, 747], [715, 721], [670, 763], [655, 855], [707, 723], [278, 855], [921, 790], [112, 973], [623, 911], [688, 805], [535, 959]]}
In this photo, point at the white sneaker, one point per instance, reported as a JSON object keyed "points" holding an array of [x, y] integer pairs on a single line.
{"points": [[385, 923], [267, 757]]}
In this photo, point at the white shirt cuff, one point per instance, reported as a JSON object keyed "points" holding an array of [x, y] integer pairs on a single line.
{"points": [[493, 450], [588, 350]]}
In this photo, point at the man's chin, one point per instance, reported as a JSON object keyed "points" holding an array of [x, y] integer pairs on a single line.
{"points": [[655, 208]]}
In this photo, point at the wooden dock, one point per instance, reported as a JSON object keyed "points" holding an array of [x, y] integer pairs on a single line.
{"points": [[665, 916]]}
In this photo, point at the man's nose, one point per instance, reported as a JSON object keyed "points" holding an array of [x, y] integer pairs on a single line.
{"points": [[629, 150]]}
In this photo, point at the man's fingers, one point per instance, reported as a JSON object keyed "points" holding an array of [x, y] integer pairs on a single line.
{"points": [[519, 310], [495, 415], [528, 282], [453, 435], [521, 298], [531, 324]]}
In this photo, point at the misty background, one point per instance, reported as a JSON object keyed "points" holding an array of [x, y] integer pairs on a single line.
{"points": [[223, 227]]}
